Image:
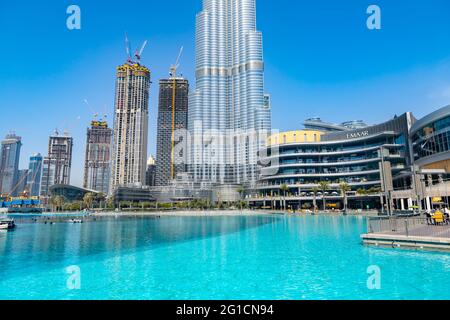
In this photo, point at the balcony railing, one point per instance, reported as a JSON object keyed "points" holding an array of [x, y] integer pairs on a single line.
{"points": [[410, 227]]}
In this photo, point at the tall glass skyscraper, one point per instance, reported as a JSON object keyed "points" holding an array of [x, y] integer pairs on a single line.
{"points": [[34, 175], [229, 114], [9, 163]]}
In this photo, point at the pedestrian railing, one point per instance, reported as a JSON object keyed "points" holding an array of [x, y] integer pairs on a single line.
{"points": [[410, 227]]}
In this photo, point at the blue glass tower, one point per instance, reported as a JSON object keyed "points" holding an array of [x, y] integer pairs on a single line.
{"points": [[229, 114]]}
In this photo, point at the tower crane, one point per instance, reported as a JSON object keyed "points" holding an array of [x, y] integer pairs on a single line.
{"points": [[173, 74], [137, 54]]}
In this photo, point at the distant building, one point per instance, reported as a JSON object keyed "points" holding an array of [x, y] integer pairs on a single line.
{"points": [[22, 180], [34, 175], [9, 163], [130, 125], [97, 158], [150, 175], [320, 125], [167, 167], [70, 193], [57, 165], [132, 194]]}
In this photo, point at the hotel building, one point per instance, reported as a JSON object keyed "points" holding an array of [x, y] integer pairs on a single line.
{"points": [[229, 114], [130, 126], [98, 156]]}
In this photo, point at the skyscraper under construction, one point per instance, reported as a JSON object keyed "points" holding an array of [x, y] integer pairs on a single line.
{"points": [[169, 120], [98, 156], [130, 125], [57, 165]]}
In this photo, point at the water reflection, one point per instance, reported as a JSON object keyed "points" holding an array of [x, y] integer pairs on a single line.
{"points": [[45, 244]]}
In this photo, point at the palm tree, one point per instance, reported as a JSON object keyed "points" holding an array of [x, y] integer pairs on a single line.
{"points": [[324, 186], [284, 187], [52, 202], [59, 202], [88, 199], [314, 191], [344, 187], [241, 191]]}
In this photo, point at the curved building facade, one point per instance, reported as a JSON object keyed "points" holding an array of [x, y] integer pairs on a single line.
{"points": [[431, 140], [229, 99], [373, 161]]}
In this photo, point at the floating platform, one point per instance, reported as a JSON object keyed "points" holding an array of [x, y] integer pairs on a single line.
{"points": [[408, 233], [407, 242]]}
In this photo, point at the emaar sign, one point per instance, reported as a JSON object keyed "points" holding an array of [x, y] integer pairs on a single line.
{"points": [[356, 135]]}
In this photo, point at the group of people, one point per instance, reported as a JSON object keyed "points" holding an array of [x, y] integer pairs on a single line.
{"points": [[438, 217]]}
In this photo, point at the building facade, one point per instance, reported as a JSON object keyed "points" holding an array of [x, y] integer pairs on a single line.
{"points": [[373, 162], [430, 137], [98, 157], [9, 164], [229, 113], [169, 121], [150, 175], [130, 125], [34, 175], [431, 140], [22, 182], [57, 165]]}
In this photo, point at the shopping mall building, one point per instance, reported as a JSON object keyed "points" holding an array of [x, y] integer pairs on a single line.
{"points": [[401, 164]]}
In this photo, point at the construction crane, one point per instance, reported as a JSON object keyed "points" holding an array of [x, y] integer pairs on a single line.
{"points": [[173, 74], [137, 54], [127, 47]]}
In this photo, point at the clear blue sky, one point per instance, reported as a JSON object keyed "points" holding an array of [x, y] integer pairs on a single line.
{"points": [[321, 60]]}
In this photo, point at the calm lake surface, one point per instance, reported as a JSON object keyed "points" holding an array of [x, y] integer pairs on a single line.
{"points": [[242, 257]]}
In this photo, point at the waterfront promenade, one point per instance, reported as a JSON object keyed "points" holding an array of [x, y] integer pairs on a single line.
{"points": [[409, 233]]}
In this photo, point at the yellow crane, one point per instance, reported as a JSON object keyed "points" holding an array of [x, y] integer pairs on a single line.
{"points": [[173, 74]]}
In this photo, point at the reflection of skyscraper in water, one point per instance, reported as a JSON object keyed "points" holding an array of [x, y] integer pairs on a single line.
{"points": [[229, 97]]}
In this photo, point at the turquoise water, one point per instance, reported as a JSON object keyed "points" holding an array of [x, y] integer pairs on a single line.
{"points": [[258, 257]]}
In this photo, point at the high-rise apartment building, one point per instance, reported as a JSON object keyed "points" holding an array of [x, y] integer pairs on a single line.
{"points": [[130, 126], [169, 121], [229, 113], [9, 164], [34, 175], [57, 165], [98, 156]]}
